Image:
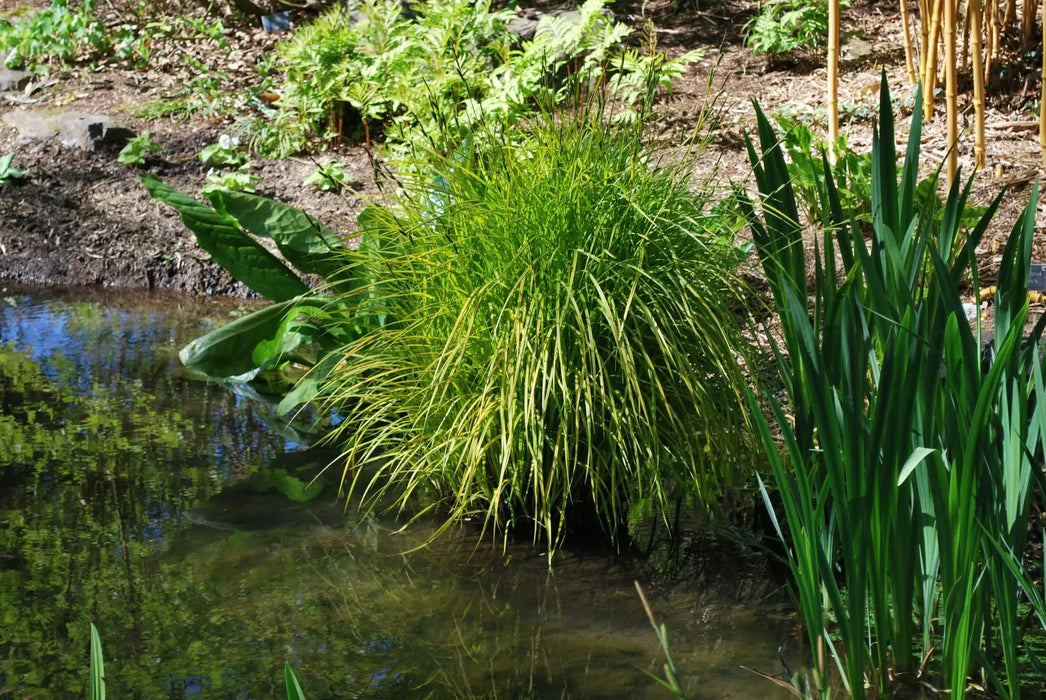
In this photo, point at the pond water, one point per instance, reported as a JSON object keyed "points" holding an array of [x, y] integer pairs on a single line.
{"points": [[177, 516]]}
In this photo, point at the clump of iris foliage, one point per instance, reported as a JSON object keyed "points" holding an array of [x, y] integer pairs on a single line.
{"points": [[558, 338], [910, 469]]}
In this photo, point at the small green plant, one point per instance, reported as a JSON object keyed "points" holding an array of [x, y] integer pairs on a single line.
{"points": [[230, 180], [432, 78], [806, 155], [225, 153], [96, 681], [294, 691], [786, 25], [671, 681], [852, 175], [138, 149], [56, 33], [208, 93], [8, 173], [62, 34], [329, 176], [230, 166]]}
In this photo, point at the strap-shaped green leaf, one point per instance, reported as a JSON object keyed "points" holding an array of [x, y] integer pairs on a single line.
{"points": [[96, 687], [294, 691], [229, 246]]}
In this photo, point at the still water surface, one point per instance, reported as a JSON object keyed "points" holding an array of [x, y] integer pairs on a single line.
{"points": [[176, 515]]}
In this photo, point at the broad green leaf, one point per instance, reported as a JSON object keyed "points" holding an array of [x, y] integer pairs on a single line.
{"points": [[229, 246], [283, 342], [309, 386], [229, 351], [306, 390], [306, 243]]}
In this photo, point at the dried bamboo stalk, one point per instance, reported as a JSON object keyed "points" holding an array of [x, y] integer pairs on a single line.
{"points": [[929, 67], [1028, 22], [925, 8], [964, 62], [1010, 13], [991, 31], [975, 10], [1042, 97], [951, 89], [833, 77], [909, 58]]}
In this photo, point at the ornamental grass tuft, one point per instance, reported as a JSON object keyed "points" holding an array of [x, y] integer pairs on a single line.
{"points": [[556, 340]]}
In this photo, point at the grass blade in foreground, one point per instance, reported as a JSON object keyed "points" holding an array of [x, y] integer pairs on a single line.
{"points": [[294, 691], [96, 684]]}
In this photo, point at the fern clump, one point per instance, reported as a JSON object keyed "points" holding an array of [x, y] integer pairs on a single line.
{"points": [[430, 78]]}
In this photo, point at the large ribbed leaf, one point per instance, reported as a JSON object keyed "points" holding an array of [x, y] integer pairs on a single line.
{"points": [[230, 246], [304, 242]]}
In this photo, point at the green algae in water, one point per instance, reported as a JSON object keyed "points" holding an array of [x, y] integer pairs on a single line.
{"points": [[156, 506]]}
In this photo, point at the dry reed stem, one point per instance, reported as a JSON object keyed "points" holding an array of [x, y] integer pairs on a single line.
{"points": [[924, 30], [975, 11], [993, 38], [951, 89], [909, 58], [964, 60], [833, 78], [1028, 22], [929, 67], [1042, 98]]}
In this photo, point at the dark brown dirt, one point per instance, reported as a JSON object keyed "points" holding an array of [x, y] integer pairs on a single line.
{"points": [[83, 218]]}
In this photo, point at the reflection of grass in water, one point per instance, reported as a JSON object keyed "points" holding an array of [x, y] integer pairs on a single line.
{"points": [[94, 462], [455, 621], [357, 617]]}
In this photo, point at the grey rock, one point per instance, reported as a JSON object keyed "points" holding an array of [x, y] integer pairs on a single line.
{"points": [[13, 80], [31, 126], [525, 25], [91, 131], [74, 129]]}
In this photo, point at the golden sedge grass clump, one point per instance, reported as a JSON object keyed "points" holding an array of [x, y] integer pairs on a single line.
{"points": [[558, 344]]}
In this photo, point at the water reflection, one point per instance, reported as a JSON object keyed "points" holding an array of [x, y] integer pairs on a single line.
{"points": [[174, 515]]}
